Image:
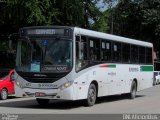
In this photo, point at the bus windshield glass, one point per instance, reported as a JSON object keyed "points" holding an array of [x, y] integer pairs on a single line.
{"points": [[44, 55]]}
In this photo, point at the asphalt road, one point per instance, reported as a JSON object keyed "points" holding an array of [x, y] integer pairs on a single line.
{"points": [[146, 102]]}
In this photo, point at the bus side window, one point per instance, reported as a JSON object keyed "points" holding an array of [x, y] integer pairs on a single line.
{"points": [[94, 49], [106, 51], [116, 50], [98, 49], [141, 54], [126, 53], [149, 55], [81, 52], [134, 54]]}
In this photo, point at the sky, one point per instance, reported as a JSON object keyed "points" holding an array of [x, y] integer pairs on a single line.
{"points": [[101, 5], [104, 6]]}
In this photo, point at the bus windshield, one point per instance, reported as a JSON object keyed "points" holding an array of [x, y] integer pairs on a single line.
{"points": [[44, 55]]}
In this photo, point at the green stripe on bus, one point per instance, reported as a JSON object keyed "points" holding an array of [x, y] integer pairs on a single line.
{"points": [[112, 66], [146, 68]]}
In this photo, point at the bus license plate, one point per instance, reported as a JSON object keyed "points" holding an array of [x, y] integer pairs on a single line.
{"points": [[40, 94]]}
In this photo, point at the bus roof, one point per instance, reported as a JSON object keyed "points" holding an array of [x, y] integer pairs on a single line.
{"points": [[110, 37], [96, 34]]}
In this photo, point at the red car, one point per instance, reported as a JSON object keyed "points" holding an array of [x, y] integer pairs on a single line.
{"points": [[6, 85]]}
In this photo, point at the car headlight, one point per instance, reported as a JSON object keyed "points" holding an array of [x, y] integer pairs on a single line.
{"points": [[66, 85]]}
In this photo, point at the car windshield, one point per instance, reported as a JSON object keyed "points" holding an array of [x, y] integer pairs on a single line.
{"points": [[44, 55]]}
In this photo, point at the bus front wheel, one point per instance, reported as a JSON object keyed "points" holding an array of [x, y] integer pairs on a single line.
{"points": [[42, 101], [92, 95]]}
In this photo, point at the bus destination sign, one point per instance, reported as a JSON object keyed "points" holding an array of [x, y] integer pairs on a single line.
{"points": [[63, 32], [41, 31]]}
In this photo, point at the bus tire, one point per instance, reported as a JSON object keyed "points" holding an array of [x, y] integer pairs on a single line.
{"points": [[42, 102], [4, 94], [91, 96], [133, 90]]}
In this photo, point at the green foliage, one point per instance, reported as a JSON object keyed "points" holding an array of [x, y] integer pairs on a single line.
{"points": [[28, 12], [20, 13], [102, 24], [127, 20], [4, 45], [77, 12], [151, 15]]}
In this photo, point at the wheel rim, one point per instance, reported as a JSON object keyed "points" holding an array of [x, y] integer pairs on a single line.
{"points": [[4, 94], [92, 95]]}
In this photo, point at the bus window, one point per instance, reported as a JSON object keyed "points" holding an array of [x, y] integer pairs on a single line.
{"points": [[81, 53], [134, 54], [94, 50], [141, 54], [148, 55], [126, 53], [84, 48], [106, 51], [116, 51], [98, 49]]}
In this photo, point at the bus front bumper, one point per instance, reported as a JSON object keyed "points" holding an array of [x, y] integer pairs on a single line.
{"points": [[65, 94]]}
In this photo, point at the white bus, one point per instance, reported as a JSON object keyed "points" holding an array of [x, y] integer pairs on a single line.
{"points": [[71, 63]]}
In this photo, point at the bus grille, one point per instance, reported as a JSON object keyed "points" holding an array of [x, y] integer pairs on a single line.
{"points": [[41, 80], [48, 78]]}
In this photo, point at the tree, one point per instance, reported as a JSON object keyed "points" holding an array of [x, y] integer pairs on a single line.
{"points": [[150, 10], [19, 13], [111, 4], [102, 24], [77, 12]]}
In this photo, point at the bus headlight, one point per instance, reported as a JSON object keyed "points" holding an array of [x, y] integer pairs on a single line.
{"points": [[66, 85], [19, 84]]}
